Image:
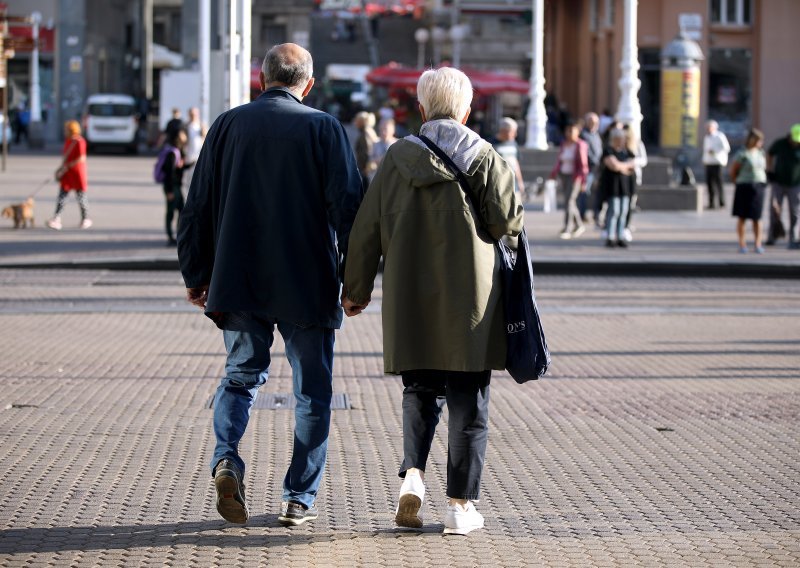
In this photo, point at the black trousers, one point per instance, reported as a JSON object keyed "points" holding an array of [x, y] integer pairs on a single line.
{"points": [[467, 397], [714, 182]]}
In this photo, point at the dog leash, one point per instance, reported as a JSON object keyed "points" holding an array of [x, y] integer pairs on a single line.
{"points": [[38, 189]]}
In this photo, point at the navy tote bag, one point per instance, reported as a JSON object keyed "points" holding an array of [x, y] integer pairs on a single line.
{"points": [[527, 356]]}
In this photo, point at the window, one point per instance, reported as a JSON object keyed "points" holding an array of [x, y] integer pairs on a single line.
{"points": [[731, 12], [593, 16], [610, 13]]}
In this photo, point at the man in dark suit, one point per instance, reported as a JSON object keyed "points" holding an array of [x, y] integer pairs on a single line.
{"points": [[261, 244]]}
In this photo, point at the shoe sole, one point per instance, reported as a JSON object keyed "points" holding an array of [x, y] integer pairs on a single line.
{"points": [[289, 522], [229, 505], [462, 531], [408, 512]]}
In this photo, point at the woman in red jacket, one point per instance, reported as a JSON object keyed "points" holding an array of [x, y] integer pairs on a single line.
{"points": [[72, 175], [572, 167]]}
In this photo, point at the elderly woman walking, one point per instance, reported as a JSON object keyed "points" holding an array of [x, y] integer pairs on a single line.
{"points": [[443, 329]]}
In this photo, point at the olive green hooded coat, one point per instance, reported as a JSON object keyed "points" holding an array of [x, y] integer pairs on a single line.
{"points": [[442, 303]]}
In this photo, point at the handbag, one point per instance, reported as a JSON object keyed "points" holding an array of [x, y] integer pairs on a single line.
{"points": [[527, 355]]}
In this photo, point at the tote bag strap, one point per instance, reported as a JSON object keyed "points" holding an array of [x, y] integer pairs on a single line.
{"points": [[451, 165]]}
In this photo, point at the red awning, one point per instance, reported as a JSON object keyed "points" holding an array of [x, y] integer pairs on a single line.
{"points": [[47, 38], [396, 76]]}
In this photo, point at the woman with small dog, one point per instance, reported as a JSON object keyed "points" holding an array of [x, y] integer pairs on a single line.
{"points": [[71, 175]]}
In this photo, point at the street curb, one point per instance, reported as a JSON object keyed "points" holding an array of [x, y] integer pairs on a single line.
{"points": [[540, 267], [668, 269]]}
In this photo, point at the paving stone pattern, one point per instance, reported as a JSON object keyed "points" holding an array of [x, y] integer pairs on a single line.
{"points": [[667, 434]]}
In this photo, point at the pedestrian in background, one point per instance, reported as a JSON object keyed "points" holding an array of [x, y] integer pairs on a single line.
{"points": [[637, 148], [506, 145], [783, 169], [617, 182], [443, 323], [195, 135], [72, 176], [749, 173], [594, 154], [261, 244], [571, 169], [173, 179], [366, 139], [386, 138], [715, 158]]}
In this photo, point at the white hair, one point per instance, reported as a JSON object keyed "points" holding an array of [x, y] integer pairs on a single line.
{"points": [[508, 123], [367, 117], [444, 93]]}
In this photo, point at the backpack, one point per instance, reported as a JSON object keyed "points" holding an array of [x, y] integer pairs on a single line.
{"points": [[159, 175]]}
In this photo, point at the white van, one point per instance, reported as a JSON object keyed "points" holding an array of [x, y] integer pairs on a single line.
{"points": [[111, 120]]}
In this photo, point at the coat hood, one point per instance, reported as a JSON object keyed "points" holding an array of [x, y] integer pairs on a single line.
{"points": [[420, 167]]}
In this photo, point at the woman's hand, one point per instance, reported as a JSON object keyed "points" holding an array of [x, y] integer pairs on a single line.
{"points": [[351, 308]]}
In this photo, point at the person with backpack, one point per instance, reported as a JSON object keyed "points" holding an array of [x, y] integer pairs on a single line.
{"points": [[169, 172]]}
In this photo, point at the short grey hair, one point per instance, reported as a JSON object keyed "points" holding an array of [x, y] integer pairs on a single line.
{"points": [[291, 67], [444, 93], [508, 123]]}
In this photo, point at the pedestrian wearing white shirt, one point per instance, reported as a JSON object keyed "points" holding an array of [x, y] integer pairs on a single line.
{"points": [[715, 158], [195, 134]]}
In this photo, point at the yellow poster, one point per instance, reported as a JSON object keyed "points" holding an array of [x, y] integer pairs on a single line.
{"points": [[671, 107], [680, 107]]}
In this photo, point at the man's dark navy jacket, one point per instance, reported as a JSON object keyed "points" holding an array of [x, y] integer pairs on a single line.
{"points": [[274, 190]]}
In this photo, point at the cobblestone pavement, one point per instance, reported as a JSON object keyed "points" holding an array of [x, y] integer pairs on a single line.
{"points": [[667, 434]]}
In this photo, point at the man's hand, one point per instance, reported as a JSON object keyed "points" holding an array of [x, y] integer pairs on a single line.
{"points": [[351, 308], [197, 296]]}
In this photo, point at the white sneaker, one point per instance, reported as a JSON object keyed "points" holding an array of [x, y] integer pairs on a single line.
{"points": [[462, 519], [86, 223], [54, 223], [578, 232], [627, 236], [564, 235], [412, 494]]}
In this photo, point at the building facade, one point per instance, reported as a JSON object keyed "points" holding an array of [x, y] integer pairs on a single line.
{"points": [[750, 74]]}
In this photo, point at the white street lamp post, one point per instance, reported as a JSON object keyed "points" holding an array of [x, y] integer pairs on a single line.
{"points": [[629, 110], [422, 36], [204, 55], [36, 101], [537, 116]]}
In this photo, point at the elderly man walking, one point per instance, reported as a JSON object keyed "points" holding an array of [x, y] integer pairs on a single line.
{"points": [[715, 157], [261, 244]]}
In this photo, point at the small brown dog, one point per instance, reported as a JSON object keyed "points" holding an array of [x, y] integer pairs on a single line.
{"points": [[22, 213]]}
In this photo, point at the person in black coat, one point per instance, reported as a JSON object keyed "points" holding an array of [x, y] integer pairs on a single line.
{"points": [[173, 180], [261, 243]]}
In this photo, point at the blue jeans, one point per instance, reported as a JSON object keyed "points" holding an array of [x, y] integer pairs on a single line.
{"points": [[617, 215], [248, 338]]}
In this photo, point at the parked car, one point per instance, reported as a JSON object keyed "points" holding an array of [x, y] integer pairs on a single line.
{"points": [[111, 120]]}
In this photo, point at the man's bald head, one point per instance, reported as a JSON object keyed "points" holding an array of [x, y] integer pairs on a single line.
{"points": [[287, 65]]}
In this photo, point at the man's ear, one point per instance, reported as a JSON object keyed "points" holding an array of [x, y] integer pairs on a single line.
{"points": [[466, 116], [262, 80], [308, 87], [422, 112]]}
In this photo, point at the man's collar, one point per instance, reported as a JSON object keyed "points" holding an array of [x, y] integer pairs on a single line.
{"points": [[273, 91]]}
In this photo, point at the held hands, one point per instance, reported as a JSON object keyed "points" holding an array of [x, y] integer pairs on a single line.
{"points": [[197, 296]]}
